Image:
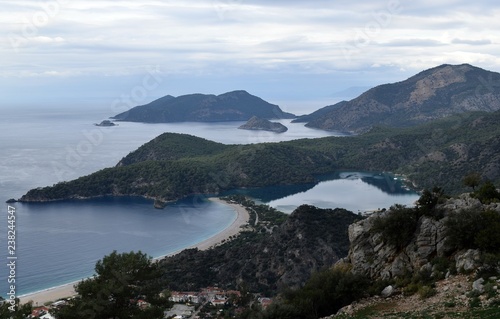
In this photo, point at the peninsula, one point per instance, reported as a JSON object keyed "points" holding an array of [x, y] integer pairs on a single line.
{"points": [[173, 166]]}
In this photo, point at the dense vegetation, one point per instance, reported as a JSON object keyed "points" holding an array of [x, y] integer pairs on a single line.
{"points": [[175, 165], [276, 253], [122, 286], [322, 295], [472, 229], [12, 309]]}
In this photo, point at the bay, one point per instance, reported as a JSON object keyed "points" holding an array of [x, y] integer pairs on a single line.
{"points": [[58, 243]]}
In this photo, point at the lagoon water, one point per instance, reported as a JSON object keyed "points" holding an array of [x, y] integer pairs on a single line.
{"points": [[60, 242]]}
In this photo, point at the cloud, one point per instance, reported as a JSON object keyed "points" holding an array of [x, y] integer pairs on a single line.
{"points": [[471, 42], [413, 43], [225, 39]]}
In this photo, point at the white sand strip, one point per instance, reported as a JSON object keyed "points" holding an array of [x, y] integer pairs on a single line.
{"points": [[235, 228], [41, 297]]}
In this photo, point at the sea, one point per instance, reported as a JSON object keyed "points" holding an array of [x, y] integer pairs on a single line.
{"points": [[60, 242]]}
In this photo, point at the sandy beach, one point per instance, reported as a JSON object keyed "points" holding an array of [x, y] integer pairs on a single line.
{"points": [[242, 219], [68, 290]]}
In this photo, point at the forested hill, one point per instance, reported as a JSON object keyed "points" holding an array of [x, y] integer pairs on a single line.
{"points": [[432, 94], [173, 146], [231, 106], [175, 165], [280, 251]]}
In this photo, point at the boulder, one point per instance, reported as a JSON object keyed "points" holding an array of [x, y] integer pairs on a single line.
{"points": [[478, 285], [387, 292], [468, 261]]}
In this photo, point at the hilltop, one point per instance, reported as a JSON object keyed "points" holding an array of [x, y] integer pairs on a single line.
{"points": [[432, 94], [231, 106]]}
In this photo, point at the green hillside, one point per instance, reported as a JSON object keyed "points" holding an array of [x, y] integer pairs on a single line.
{"points": [[175, 165]]}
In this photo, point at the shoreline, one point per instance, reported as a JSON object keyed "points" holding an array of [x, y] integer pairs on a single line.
{"points": [[39, 298]]}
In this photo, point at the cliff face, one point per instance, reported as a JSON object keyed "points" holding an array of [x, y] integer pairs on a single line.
{"points": [[429, 95], [371, 256]]}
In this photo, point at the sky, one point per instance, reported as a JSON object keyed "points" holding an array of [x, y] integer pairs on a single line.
{"points": [[301, 55]]}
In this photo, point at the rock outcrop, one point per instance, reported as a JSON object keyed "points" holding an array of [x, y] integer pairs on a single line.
{"points": [[106, 123], [376, 259]]}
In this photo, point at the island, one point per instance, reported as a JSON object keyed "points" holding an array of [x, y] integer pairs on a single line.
{"points": [[231, 106], [106, 123], [256, 123]]}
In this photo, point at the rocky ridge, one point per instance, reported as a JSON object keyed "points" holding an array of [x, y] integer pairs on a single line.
{"points": [[466, 292], [432, 94], [371, 256]]}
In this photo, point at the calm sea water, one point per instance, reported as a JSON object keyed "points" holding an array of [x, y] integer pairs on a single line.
{"points": [[60, 242], [356, 191]]}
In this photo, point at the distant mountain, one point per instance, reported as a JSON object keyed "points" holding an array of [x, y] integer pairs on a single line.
{"points": [[432, 94], [319, 113], [258, 124], [231, 106]]}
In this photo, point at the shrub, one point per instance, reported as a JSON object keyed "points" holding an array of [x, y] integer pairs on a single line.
{"points": [[489, 290], [488, 238], [472, 180], [411, 289], [472, 229], [426, 204], [324, 294], [398, 226], [462, 228], [474, 302], [487, 193], [441, 265], [426, 292]]}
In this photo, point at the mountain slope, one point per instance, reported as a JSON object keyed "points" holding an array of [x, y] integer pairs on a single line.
{"points": [[429, 95], [231, 106]]}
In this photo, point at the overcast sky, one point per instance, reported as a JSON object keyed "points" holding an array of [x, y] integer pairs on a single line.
{"points": [[298, 54]]}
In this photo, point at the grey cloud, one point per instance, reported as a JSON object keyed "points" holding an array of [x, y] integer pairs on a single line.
{"points": [[471, 42]]}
